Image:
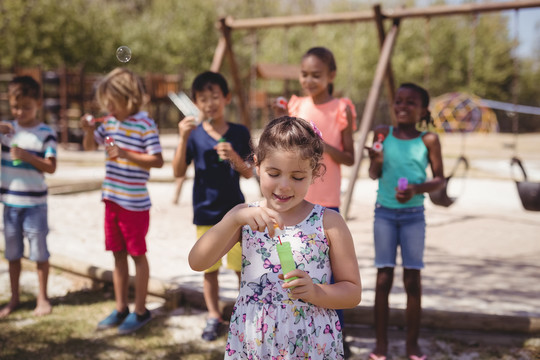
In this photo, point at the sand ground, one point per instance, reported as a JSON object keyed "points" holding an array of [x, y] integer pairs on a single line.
{"points": [[482, 253]]}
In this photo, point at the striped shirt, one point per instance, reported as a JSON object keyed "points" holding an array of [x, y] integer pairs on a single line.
{"points": [[21, 184], [125, 181]]}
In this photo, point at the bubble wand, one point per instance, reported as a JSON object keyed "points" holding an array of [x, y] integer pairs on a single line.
{"points": [[92, 120], [281, 102], [377, 145]]}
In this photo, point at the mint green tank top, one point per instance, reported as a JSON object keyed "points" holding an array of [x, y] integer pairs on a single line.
{"points": [[402, 158]]}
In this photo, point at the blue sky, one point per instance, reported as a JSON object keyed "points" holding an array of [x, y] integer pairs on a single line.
{"points": [[528, 30]]}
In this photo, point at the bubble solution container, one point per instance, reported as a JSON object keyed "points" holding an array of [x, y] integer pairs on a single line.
{"points": [[16, 162], [285, 254], [221, 140], [402, 183], [109, 142]]}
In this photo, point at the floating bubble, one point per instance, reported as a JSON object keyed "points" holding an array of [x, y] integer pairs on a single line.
{"points": [[123, 54]]}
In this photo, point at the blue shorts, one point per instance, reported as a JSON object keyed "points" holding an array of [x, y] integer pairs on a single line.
{"points": [[405, 228], [30, 223]]}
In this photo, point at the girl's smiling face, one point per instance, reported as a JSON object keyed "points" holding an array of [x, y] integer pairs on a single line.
{"points": [[315, 77], [408, 106], [284, 179]]}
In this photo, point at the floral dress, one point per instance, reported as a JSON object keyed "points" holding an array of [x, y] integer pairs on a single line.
{"points": [[266, 323]]}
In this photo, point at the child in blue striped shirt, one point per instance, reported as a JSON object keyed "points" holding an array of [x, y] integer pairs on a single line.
{"points": [[28, 151], [132, 147]]}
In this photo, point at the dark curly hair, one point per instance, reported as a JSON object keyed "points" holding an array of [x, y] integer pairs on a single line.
{"points": [[292, 134]]}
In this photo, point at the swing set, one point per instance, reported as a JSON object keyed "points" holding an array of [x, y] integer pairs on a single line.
{"points": [[383, 72]]}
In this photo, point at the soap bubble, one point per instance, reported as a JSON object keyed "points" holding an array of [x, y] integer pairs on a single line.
{"points": [[123, 54]]}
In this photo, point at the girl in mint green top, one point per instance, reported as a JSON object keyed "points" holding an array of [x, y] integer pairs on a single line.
{"points": [[406, 158], [399, 213]]}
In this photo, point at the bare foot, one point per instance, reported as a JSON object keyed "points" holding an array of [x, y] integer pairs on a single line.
{"points": [[43, 308], [8, 309]]}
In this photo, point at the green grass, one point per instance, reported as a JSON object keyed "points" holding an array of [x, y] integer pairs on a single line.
{"points": [[69, 333]]}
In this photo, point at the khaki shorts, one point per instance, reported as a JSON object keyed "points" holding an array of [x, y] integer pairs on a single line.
{"points": [[234, 256]]}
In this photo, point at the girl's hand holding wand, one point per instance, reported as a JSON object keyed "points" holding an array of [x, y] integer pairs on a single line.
{"points": [[301, 288]]}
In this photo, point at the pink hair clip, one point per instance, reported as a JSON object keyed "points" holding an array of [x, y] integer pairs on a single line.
{"points": [[315, 129]]}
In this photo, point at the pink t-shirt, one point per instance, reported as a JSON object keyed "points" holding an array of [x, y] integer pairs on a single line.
{"points": [[330, 118]]}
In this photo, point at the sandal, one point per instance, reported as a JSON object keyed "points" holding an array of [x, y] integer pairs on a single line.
{"points": [[210, 332]]}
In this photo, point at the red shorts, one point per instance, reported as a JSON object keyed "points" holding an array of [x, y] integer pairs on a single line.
{"points": [[125, 229]]}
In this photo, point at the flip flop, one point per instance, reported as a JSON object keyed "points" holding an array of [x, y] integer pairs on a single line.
{"points": [[372, 356], [414, 357]]}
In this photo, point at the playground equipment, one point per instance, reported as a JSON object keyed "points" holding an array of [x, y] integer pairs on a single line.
{"points": [[529, 192], [461, 113], [383, 72]]}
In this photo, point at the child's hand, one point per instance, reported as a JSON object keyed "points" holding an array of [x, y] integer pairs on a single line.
{"points": [[186, 126], [279, 106], [301, 288], [86, 122], [258, 218], [115, 152], [374, 156], [224, 150], [6, 128], [405, 195], [18, 153]]}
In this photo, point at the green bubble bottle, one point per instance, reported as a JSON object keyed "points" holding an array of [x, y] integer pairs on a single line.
{"points": [[285, 255]]}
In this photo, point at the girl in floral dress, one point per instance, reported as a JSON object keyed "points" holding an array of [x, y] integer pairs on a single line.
{"points": [[274, 319]]}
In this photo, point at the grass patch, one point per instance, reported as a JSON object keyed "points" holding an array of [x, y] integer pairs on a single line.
{"points": [[69, 333]]}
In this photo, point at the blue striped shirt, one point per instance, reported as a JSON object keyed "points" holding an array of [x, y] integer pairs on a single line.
{"points": [[125, 181], [21, 184]]}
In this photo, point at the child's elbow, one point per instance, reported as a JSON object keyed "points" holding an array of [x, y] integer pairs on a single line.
{"points": [[355, 297], [195, 264]]}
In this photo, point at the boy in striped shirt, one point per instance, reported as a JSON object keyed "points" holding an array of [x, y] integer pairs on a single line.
{"points": [[28, 151], [132, 147]]}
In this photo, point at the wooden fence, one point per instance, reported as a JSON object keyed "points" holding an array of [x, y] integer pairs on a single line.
{"points": [[69, 93]]}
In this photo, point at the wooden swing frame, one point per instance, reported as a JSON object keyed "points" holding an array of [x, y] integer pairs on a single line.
{"points": [[383, 72]]}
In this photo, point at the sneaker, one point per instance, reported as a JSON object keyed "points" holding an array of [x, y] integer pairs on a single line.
{"points": [[210, 332], [134, 322], [114, 319]]}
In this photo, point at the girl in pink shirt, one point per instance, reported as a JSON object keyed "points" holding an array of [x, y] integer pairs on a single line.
{"points": [[334, 117]]}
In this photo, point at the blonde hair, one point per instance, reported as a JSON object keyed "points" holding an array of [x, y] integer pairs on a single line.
{"points": [[122, 87]]}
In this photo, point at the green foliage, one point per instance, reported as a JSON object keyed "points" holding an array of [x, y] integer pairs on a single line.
{"points": [[445, 54]]}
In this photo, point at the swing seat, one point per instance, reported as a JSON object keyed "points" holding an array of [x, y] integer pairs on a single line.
{"points": [[440, 197], [529, 192]]}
